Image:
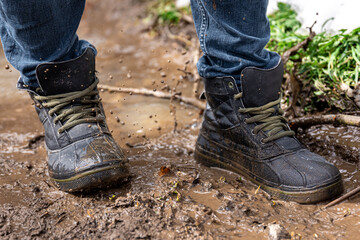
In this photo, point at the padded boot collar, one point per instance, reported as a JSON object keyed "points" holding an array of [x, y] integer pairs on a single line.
{"points": [[68, 76], [219, 94], [261, 86]]}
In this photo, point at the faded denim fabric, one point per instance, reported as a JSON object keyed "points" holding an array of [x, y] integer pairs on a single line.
{"points": [[37, 31], [232, 34]]}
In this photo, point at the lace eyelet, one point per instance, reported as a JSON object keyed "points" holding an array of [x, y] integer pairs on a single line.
{"points": [[252, 132], [231, 85], [262, 141], [244, 121]]}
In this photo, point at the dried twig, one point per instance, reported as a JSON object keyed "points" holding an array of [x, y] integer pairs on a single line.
{"points": [[188, 43], [187, 19], [184, 70], [325, 119], [152, 24], [285, 57], [147, 92], [342, 198]]}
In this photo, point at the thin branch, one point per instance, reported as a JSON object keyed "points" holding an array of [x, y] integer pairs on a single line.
{"points": [[286, 55], [159, 94], [152, 24], [172, 36], [342, 198], [187, 19], [295, 86], [325, 119]]}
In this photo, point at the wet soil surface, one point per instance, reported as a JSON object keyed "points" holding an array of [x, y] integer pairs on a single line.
{"points": [[169, 195]]}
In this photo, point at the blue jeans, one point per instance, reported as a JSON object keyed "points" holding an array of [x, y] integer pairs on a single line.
{"points": [[232, 34], [38, 31]]}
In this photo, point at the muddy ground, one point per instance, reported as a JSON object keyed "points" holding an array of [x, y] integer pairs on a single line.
{"points": [[189, 202]]}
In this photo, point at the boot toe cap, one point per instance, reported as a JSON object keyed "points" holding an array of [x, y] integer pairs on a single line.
{"points": [[304, 170], [83, 155]]}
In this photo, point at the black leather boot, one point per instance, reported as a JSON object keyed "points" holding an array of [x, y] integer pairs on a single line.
{"points": [[244, 132], [82, 154]]}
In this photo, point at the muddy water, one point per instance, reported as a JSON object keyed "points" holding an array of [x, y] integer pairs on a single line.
{"points": [[341, 145], [189, 202]]}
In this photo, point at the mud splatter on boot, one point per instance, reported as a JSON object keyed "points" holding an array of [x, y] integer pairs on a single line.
{"points": [[245, 133], [82, 154]]}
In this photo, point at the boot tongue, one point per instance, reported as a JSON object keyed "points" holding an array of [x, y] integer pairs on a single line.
{"points": [[261, 86], [68, 76]]}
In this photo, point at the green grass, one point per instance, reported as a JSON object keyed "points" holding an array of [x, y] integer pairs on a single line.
{"points": [[167, 12], [327, 67]]}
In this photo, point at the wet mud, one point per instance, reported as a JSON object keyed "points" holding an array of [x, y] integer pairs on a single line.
{"points": [[169, 195]]}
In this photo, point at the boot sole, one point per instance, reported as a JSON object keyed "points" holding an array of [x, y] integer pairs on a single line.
{"points": [[95, 178], [329, 191]]}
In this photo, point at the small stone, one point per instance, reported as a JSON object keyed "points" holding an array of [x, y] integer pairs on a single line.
{"points": [[278, 232]]}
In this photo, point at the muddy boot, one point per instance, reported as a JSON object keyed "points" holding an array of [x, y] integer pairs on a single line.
{"points": [[243, 131], [82, 154]]}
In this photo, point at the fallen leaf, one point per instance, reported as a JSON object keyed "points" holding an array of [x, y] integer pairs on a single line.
{"points": [[163, 171]]}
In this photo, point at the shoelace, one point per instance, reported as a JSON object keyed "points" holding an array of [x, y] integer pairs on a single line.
{"points": [[88, 112], [275, 125]]}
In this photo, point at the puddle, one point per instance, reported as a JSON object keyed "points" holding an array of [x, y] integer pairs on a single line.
{"points": [[340, 145]]}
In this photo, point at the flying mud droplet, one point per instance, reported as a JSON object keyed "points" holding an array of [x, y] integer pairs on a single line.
{"points": [[129, 75]]}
